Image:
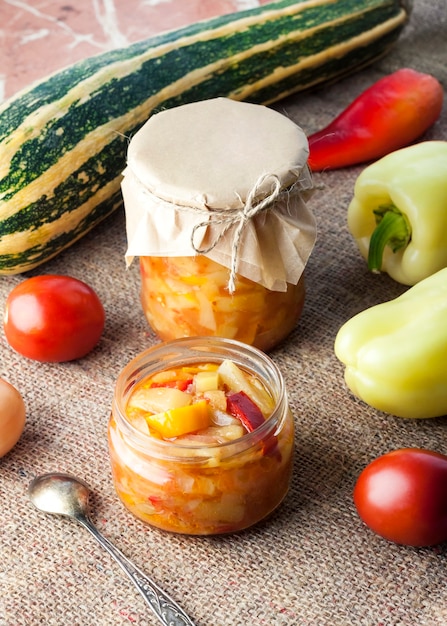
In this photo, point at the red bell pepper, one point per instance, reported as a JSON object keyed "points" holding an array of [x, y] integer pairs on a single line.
{"points": [[389, 115], [241, 406]]}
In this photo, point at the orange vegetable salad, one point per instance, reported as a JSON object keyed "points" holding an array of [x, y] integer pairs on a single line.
{"points": [[207, 460], [188, 296]]}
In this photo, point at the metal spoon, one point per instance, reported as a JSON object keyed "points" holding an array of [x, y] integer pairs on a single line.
{"points": [[62, 494]]}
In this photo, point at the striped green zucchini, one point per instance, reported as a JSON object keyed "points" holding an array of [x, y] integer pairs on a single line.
{"points": [[63, 141]]}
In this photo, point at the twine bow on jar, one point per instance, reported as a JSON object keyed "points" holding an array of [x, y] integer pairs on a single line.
{"points": [[238, 217], [223, 179], [159, 227]]}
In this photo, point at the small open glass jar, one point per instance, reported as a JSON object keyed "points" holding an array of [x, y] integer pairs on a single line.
{"points": [[214, 193], [201, 485]]}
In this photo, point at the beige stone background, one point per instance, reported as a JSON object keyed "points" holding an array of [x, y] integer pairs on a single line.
{"points": [[313, 563]]}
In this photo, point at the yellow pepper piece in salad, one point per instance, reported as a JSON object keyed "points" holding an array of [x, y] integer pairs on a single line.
{"points": [[177, 422]]}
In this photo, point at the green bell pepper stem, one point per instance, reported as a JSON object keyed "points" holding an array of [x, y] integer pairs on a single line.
{"points": [[392, 230]]}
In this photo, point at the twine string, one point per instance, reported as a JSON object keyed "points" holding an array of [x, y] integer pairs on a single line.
{"points": [[228, 218]]}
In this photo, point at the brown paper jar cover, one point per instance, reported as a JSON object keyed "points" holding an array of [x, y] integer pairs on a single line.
{"points": [[215, 198]]}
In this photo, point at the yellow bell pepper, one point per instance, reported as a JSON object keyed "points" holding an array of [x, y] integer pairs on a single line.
{"points": [[396, 352], [398, 214], [180, 421]]}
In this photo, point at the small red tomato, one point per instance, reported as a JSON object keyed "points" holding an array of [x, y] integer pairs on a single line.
{"points": [[53, 318], [402, 496]]}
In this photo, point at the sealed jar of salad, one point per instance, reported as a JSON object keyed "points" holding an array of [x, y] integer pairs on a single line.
{"points": [[201, 437], [215, 199]]}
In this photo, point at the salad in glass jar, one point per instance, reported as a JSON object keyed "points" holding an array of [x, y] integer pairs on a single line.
{"points": [[188, 296], [201, 437]]}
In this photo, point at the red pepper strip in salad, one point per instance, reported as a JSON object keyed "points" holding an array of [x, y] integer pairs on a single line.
{"points": [[240, 405], [391, 114]]}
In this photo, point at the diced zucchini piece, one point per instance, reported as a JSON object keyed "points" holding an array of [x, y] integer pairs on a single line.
{"points": [[237, 380], [206, 381], [158, 399]]}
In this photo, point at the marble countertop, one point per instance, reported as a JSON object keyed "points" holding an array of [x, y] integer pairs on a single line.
{"points": [[37, 38]]}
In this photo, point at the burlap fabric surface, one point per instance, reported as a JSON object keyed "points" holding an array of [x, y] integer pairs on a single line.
{"points": [[313, 563]]}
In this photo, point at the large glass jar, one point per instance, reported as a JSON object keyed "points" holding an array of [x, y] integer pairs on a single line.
{"points": [[187, 296], [215, 197], [198, 485]]}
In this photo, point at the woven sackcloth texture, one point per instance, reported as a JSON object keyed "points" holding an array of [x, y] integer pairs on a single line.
{"points": [[313, 563]]}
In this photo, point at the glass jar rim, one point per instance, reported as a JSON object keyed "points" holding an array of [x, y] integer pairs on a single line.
{"points": [[192, 350]]}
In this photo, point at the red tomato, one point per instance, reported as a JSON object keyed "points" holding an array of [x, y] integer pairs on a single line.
{"points": [[53, 318], [402, 496]]}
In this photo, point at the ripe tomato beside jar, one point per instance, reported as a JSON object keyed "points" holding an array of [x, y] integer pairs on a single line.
{"points": [[52, 318], [402, 496]]}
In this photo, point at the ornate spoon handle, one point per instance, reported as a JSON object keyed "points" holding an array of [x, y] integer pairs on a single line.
{"points": [[164, 607]]}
